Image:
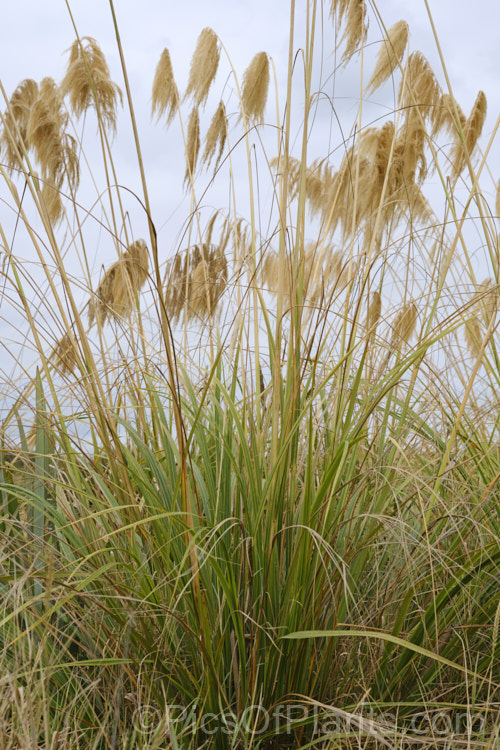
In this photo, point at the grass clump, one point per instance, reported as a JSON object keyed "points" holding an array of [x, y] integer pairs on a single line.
{"points": [[256, 504]]}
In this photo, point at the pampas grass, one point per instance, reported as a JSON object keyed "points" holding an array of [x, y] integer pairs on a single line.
{"points": [[88, 83], [196, 281], [165, 96], [255, 88], [14, 134], [390, 55], [403, 326], [192, 146], [419, 87], [269, 485], [216, 137], [117, 292], [204, 64], [472, 129]]}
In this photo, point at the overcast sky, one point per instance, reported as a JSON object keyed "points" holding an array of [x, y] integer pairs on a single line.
{"points": [[35, 36]]}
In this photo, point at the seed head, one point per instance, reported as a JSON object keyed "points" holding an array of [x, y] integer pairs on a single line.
{"points": [[216, 137], [471, 131], [473, 336], [374, 310], [88, 82], [444, 116], [356, 28], [14, 136], [204, 64], [197, 279], [192, 146], [46, 124], [419, 86], [64, 354], [117, 292], [390, 55], [165, 97], [255, 88], [404, 325]]}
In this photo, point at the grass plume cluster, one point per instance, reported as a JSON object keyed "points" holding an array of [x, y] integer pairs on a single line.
{"points": [[249, 487]]}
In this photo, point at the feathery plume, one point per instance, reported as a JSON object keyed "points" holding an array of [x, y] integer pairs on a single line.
{"points": [[45, 127], [374, 310], [64, 355], [165, 96], [197, 280], [117, 292], [88, 82], [269, 271], [419, 86], [444, 114], [356, 28], [385, 140], [51, 198], [409, 151], [204, 64], [192, 146], [487, 299], [339, 7], [473, 336], [404, 325], [255, 88], [471, 131], [210, 228], [14, 136], [216, 137], [390, 55]]}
